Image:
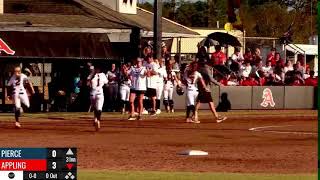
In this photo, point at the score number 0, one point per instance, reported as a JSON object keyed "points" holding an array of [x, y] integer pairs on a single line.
{"points": [[54, 155]]}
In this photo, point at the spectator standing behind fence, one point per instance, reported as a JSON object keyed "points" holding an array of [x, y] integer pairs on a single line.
{"points": [[237, 56], [267, 69], [256, 57], [300, 68], [279, 70], [288, 66], [272, 56], [248, 55], [312, 80], [307, 73], [246, 69], [218, 57], [112, 88], [279, 59]]}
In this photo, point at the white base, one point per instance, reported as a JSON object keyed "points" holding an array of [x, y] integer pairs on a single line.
{"points": [[194, 153]]}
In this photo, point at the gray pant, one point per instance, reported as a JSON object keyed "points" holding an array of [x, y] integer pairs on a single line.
{"points": [[112, 95]]}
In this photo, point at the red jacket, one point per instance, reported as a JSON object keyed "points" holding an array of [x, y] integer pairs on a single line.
{"points": [[249, 83], [218, 58], [271, 58], [311, 81]]}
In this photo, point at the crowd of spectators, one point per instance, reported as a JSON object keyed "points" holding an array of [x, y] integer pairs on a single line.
{"points": [[251, 69]]}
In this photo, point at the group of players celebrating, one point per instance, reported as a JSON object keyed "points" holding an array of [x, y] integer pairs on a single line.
{"points": [[146, 78]]}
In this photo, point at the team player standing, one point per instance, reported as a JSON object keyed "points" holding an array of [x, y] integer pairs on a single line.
{"points": [[148, 78]]}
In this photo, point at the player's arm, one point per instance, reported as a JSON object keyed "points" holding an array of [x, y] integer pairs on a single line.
{"points": [[203, 84], [212, 80], [10, 88], [29, 83], [106, 80], [144, 72]]}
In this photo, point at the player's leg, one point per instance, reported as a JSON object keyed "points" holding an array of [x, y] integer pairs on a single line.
{"points": [[193, 108], [114, 97], [98, 110], [151, 94], [219, 119], [166, 99], [146, 104], [158, 98], [140, 107], [93, 107], [99, 106], [153, 101], [132, 107], [127, 97], [190, 102], [123, 98], [17, 111], [170, 97]]}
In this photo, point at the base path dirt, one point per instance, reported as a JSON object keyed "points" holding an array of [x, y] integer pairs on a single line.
{"points": [[154, 143]]}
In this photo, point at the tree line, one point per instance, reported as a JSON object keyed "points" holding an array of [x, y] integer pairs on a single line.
{"points": [[267, 18]]}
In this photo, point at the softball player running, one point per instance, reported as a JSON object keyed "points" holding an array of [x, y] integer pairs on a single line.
{"points": [[19, 94], [125, 84], [169, 84], [97, 81], [138, 78], [161, 75], [191, 80]]}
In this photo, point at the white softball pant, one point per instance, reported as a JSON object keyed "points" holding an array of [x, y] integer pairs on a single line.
{"points": [[21, 98], [97, 101], [124, 93], [191, 97], [168, 92], [159, 91]]}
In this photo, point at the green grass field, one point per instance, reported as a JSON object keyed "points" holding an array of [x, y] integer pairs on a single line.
{"points": [[114, 175]]}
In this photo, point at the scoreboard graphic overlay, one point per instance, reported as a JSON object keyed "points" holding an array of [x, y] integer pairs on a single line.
{"points": [[38, 163]]}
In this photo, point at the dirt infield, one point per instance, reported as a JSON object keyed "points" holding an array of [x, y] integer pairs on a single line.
{"points": [[153, 143]]}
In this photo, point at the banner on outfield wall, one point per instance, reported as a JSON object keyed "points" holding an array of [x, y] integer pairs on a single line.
{"points": [[261, 97], [268, 97]]}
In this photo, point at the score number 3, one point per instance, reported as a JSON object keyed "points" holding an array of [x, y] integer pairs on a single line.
{"points": [[54, 154]]}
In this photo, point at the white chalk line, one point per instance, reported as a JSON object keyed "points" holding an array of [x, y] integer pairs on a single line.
{"points": [[262, 129]]}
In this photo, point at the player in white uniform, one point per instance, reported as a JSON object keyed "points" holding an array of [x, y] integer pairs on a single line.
{"points": [[191, 80], [125, 84], [168, 90], [151, 93], [161, 75], [96, 82], [138, 76], [19, 93]]}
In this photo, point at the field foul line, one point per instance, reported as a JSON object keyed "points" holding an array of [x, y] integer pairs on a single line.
{"points": [[261, 129]]}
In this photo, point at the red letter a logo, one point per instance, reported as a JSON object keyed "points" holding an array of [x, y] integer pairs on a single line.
{"points": [[4, 47], [267, 98]]}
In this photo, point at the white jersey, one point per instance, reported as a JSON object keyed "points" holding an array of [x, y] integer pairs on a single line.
{"points": [[152, 80], [162, 73], [18, 83], [97, 82], [171, 77], [138, 78], [192, 80]]}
